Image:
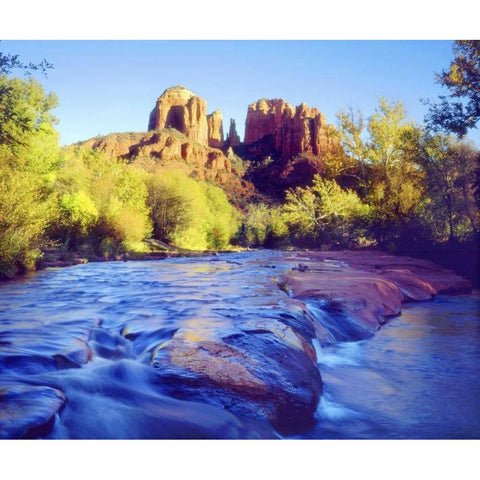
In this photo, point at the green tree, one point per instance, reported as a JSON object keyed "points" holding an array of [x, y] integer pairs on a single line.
{"points": [[170, 206], [390, 180], [264, 225], [29, 155], [188, 213], [10, 62], [24, 112], [451, 168], [26, 211], [223, 220], [460, 111], [324, 213], [103, 203]]}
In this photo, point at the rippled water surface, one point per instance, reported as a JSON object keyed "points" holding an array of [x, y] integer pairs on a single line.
{"points": [[419, 377], [90, 331]]}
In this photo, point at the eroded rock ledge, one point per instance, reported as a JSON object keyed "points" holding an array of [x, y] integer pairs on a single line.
{"points": [[266, 368], [369, 287]]}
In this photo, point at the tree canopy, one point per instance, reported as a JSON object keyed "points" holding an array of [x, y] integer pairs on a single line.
{"points": [[460, 111]]}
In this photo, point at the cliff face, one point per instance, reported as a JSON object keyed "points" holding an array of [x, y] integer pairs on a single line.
{"points": [[182, 110], [182, 135], [215, 129], [275, 128]]}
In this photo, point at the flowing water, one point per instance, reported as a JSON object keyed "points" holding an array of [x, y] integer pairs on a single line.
{"points": [[90, 331], [418, 378]]}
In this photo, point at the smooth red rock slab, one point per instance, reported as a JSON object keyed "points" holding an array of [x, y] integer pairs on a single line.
{"points": [[370, 286], [440, 279], [368, 299], [28, 411]]}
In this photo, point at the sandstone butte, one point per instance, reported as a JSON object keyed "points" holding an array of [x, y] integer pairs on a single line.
{"points": [[276, 128], [215, 129], [182, 135]]}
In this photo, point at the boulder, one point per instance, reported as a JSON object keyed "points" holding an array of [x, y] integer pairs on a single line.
{"points": [[29, 348], [28, 411], [263, 369]]}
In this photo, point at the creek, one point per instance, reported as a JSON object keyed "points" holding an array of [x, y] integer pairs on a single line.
{"points": [[90, 332]]}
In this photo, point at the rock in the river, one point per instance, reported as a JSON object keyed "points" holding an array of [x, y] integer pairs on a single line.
{"points": [[28, 411], [262, 369], [31, 349], [368, 287]]}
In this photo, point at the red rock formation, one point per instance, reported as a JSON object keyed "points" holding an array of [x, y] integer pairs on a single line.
{"points": [[275, 128], [181, 109], [370, 286], [215, 129], [167, 148], [115, 144], [233, 139]]}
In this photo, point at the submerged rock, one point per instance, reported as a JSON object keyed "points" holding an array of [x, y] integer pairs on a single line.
{"points": [[28, 411], [32, 348], [262, 369], [124, 400]]}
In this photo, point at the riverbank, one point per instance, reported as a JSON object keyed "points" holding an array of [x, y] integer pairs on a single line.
{"points": [[61, 259]]}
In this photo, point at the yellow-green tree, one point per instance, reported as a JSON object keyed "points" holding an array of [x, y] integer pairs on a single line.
{"points": [[264, 225], [29, 156], [188, 213], [103, 203], [387, 149], [451, 167], [461, 111], [324, 213]]}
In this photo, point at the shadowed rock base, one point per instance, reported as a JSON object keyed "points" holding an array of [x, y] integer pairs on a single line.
{"points": [[28, 411]]}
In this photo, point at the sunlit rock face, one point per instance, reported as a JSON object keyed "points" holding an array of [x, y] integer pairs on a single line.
{"points": [[181, 136], [215, 129], [181, 109], [275, 128]]}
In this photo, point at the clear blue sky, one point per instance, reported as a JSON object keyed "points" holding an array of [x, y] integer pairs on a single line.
{"points": [[111, 86]]}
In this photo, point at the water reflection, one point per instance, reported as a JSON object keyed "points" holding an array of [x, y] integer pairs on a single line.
{"points": [[419, 377]]}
